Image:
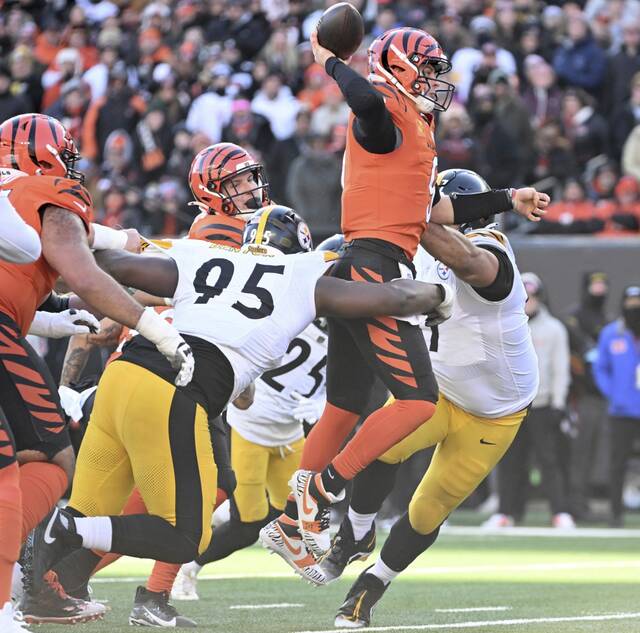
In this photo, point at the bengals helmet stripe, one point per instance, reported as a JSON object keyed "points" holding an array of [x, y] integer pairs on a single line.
{"points": [[14, 133]]}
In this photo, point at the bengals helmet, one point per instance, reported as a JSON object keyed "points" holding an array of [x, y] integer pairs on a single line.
{"points": [[279, 227], [400, 57], [212, 178], [38, 145]]}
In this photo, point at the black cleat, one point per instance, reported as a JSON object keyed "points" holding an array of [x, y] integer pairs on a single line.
{"points": [[345, 550], [152, 608], [53, 539], [50, 604], [357, 608]]}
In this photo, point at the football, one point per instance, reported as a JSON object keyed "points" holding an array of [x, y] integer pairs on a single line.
{"points": [[341, 29]]}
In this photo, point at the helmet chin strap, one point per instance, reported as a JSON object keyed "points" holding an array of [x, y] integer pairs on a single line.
{"points": [[425, 106]]}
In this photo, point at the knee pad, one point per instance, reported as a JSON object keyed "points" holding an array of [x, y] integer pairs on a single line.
{"points": [[426, 517]]}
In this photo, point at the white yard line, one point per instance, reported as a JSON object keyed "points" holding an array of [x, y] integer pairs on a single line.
{"points": [[471, 609], [542, 532], [484, 623], [279, 605]]}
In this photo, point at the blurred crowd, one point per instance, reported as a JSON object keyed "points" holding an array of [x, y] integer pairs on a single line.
{"points": [[548, 93]]}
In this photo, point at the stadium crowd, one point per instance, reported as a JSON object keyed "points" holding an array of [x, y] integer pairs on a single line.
{"points": [[547, 93]]}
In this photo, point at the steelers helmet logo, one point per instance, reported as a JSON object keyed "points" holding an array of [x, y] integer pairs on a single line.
{"points": [[304, 236]]}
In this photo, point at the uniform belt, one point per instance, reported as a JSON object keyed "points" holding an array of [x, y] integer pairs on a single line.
{"points": [[386, 249]]}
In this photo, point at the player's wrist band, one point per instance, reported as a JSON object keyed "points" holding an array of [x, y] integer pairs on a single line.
{"points": [[473, 206], [54, 303], [106, 238]]}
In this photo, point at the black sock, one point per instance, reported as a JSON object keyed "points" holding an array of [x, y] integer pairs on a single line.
{"points": [[291, 509], [372, 486], [230, 537], [150, 536], [332, 481], [404, 544], [75, 570]]}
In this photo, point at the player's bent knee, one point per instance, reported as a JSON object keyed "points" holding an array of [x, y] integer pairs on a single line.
{"points": [[427, 517]]}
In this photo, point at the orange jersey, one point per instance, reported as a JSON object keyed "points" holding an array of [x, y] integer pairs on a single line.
{"points": [[23, 287], [388, 196], [128, 333], [218, 228]]}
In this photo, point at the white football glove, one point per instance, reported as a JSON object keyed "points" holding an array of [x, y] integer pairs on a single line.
{"points": [[72, 401], [443, 311], [307, 410], [66, 323], [169, 343]]}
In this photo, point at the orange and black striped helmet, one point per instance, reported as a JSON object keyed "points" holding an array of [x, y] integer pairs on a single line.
{"points": [[38, 144], [226, 179], [399, 57]]}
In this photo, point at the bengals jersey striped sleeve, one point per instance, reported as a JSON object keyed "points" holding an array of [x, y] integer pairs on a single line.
{"points": [[23, 287], [389, 196], [218, 228]]}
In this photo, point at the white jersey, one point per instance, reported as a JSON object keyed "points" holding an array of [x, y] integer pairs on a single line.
{"points": [[249, 303], [268, 421], [483, 356]]}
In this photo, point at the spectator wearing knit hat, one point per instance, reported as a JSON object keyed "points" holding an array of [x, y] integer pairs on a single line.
{"points": [[248, 128]]}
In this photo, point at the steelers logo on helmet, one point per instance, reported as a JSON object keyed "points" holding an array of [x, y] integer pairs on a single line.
{"points": [[304, 236]]}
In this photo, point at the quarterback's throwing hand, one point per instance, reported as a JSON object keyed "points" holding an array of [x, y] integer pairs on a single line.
{"points": [[530, 203]]}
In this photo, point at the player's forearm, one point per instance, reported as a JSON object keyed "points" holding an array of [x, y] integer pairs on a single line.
{"points": [[105, 295], [470, 207], [157, 276], [469, 263], [410, 297], [75, 359]]}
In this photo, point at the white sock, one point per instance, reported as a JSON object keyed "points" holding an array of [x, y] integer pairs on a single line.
{"points": [[96, 532], [193, 567], [361, 523], [380, 570]]}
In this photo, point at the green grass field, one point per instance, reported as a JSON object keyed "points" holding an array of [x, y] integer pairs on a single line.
{"points": [[470, 583]]}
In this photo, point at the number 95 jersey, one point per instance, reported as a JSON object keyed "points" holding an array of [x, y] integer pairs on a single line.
{"points": [[249, 303]]}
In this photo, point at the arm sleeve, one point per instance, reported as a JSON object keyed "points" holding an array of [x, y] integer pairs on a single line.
{"points": [[561, 368], [19, 242], [501, 286], [374, 128]]}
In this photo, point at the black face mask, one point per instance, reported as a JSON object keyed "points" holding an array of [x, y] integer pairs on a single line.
{"points": [[632, 319], [595, 301]]}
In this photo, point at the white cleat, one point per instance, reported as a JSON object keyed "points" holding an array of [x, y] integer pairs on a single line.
{"points": [[314, 508], [498, 521], [186, 582], [11, 620], [282, 537]]}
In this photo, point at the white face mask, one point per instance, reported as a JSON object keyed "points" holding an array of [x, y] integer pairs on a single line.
{"points": [[425, 106]]}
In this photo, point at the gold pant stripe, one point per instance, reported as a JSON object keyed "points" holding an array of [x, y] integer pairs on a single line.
{"points": [[263, 474]]}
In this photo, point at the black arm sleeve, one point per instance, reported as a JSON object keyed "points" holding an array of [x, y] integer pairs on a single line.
{"points": [[374, 128], [474, 206], [54, 303], [501, 286]]}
